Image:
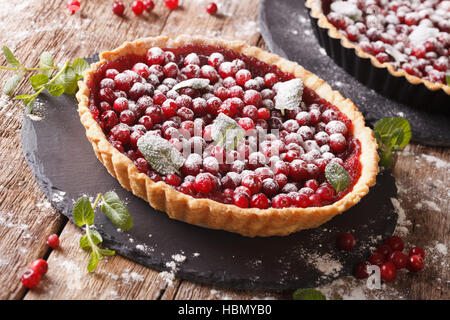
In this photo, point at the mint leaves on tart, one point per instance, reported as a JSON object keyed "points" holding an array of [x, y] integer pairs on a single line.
{"points": [[289, 95], [226, 132], [160, 154], [337, 176], [84, 214], [195, 83]]}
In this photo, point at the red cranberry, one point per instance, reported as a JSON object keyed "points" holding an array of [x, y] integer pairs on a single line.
{"points": [[263, 113], [204, 182], [211, 8], [242, 200], [73, 6], [377, 259], [169, 108], [171, 4], [395, 243], [252, 182], [53, 241], [118, 8], [399, 259], [417, 251], [173, 180], [270, 79], [149, 5], [345, 241], [137, 7], [30, 279], [40, 266], [121, 133], [281, 201], [326, 192], [388, 271], [385, 250], [155, 56], [260, 201], [361, 270], [415, 263]]}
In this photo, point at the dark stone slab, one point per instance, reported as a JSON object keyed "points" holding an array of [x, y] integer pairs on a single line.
{"points": [[65, 166], [287, 31]]}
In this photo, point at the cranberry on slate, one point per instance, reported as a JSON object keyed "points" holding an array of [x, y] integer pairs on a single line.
{"points": [[40, 266], [388, 271], [53, 241], [30, 279], [399, 259], [417, 251], [385, 250], [361, 270], [345, 241], [118, 8], [395, 243], [137, 7], [377, 259]]}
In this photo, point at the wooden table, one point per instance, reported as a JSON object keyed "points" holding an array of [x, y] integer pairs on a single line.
{"points": [[27, 218]]}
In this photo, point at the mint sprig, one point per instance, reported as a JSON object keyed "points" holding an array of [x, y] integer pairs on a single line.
{"points": [[392, 134], [447, 79], [308, 294], [337, 176], [84, 215], [55, 79]]}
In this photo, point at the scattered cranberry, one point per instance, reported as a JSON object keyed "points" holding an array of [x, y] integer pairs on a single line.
{"points": [[399, 259], [388, 271], [361, 270], [385, 250], [149, 5], [31, 279], [53, 241], [395, 243], [345, 241], [73, 6], [171, 4], [377, 259], [417, 251], [40, 266], [137, 7], [415, 263], [211, 8], [118, 8]]}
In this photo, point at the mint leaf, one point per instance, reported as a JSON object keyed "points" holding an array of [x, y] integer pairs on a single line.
{"points": [[195, 83], [308, 294], [83, 213], [116, 211], [106, 252], [12, 83], [447, 79], [94, 258], [38, 81], [84, 243], [55, 89], [337, 176], [9, 56], [79, 65], [160, 154], [289, 95], [394, 133], [226, 132], [46, 61], [68, 79], [386, 158], [24, 96]]}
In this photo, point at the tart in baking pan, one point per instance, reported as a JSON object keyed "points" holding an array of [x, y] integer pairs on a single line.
{"points": [[224, 135]]}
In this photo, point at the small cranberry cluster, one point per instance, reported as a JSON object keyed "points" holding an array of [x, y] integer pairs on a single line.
{"points": [[392, 23], [286, 171], [39, 267], [389, 257], [138, 7]]}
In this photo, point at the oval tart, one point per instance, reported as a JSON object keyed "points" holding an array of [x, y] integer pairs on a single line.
{"points": [[227, 136]]}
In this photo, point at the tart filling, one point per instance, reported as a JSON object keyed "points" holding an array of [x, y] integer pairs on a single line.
{"points": [[410, 38], [213, 123]]}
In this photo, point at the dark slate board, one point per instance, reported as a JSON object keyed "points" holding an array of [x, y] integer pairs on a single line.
{"points": [[62, 160], [287, 31]]}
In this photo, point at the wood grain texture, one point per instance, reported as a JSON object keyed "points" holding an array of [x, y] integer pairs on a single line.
{"points": [[26, 218]]}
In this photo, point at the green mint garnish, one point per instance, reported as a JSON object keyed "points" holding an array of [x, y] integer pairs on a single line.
{"points": [[289, 95], [55, 79], [337, 176], [160, 154], [447, 79], [195, 83], [84, 214], [391, 134], [308, 294], [226, 132]]}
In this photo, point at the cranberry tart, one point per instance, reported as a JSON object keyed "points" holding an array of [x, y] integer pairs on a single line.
{"points": [[406, 44], [224, 135]]}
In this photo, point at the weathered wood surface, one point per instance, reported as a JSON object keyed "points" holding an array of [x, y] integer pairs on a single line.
{"points": [[27, 218]]}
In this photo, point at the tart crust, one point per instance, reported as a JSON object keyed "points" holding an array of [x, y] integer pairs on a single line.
{"points": [[333, 32], [209, 213]]}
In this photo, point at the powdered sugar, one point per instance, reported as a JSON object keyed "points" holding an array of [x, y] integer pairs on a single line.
{"points": [[403, 224], [326, 264]]}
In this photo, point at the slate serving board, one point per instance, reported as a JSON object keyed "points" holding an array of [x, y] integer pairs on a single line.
{"points": [[65, 166], [287, 31]]}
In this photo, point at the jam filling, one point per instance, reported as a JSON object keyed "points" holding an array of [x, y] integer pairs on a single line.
{"points": [[284, 167]]}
